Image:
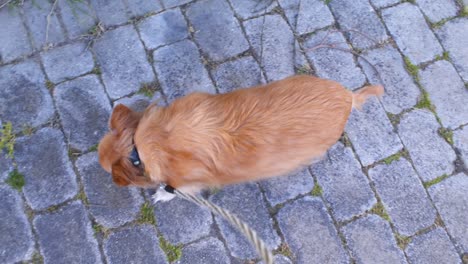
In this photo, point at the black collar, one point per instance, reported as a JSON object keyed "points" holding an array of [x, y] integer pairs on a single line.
{"points": [[134, 157]]}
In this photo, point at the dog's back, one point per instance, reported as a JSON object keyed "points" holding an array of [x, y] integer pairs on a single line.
{"points": [[248, 134]]}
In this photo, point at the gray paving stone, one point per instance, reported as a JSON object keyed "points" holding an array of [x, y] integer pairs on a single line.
{"points": [[15, 42], [451, 101], [403, 196], [241, 73], [451, 200], [246, 202], [455, 41], [67, 61], [110, 12], [35, 14], [16, 241], [400, 90], [6, 165], [78, 17], [137, 244], [65, 236], [431, 155], [359, 15], [460, 140], [279, 259], [181, 221], [274, 48], [172, 3], [280, 189], [384, 3], [163, 29], [142, 7], [344, 185], [82, 101], [334, 64], [139, 102], [249, 8], [432, 247], [209, 250], [411, 33], [307, 15], [110, 205], [43, 160], [123, 61], [435, 11], [24, 99], [217, 31], [180, 70], [310, 233], [371, 133], [371, 240]]}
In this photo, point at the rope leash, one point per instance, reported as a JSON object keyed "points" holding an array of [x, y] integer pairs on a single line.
{"points": [[251, 235]]}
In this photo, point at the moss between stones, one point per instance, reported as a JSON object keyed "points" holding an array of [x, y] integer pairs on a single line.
{"points": [[172, 252], [15, 180], [425, 102], [402, 241], [412, 69], [7, 139], [146, 214], [317, 190], [284, 250], [447, 134], [392, 158], [93, 148], [435, 181], [379, 209], [148, 89]]}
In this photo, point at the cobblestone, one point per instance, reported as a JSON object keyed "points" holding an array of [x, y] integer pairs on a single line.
{"points": [[6, 165], [56, 230], [309, 232], [344, 185], [455, 41], [43, 160], [163, 29], [460, 139], [436, 11], [450, 102], [403, 196], [370, 240], [371, 133], [110, 205], [306, 16], [431, 155], [331, 63], [451, 200], [77, 102], [16, 241], [391, 68], [14, 37], [180, 70], [77, 16], [360, 16], [110, 12], [123, 62], [273, 43], [67, 62], [411, 33], [241, 73], [216, 29], [142, 7], [246, 202], [432, 247], [384, 3], [209, 250], [135, 245], [249, 8], [24, 99]]}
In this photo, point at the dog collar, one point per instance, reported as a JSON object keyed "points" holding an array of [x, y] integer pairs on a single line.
{"points": [[134, 157]]}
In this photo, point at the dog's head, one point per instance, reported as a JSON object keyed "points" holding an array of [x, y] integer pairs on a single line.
{"points": [[116, 147]]}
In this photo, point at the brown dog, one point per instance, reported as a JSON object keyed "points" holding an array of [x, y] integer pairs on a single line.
{"points": [[204, 140]]}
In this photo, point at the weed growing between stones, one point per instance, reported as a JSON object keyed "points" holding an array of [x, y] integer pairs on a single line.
{"points": [[99, 229], [392, 158], [402, 241], [28, 130], [317, 190], [284, 250], [148, 89], [146, 214], [7, 139], [439, 24], [411, 68], [380, 210], [50, 85], [172, 252], [37, 258], [425, 102], [447, 134], [82, 196], [96, 70], [304, 69], [93, 148], [16, 180], [435, 181], [445, 56]]}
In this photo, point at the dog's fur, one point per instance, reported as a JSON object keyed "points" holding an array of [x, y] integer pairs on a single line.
{"points": [[204, 140]]}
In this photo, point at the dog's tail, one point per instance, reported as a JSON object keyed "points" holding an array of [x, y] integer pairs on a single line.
{"points": [[361, 95]]}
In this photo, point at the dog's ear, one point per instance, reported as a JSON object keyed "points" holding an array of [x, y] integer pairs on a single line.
{"points": [[123, 117], [119, 175]]}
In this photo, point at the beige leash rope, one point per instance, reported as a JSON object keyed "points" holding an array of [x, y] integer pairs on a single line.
{"points": [[251, 235]]}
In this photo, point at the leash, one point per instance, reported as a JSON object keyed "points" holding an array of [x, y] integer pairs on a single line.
{"points": [[251, 235]]}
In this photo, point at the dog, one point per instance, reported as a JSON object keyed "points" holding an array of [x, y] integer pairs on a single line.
{"points": [[204, 140]]}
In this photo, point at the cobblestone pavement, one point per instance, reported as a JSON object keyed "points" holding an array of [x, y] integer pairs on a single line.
{"points": [[393, 190]]}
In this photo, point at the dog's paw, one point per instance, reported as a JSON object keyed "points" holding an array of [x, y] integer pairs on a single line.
{"points": [[162, 195]]}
